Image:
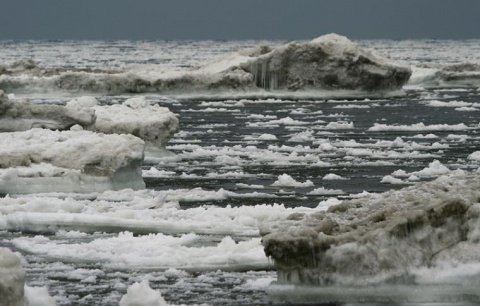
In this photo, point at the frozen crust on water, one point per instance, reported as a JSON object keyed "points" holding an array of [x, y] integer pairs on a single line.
{"points": [[12, 279], [152, 123], [41, 160], [384, 238], [19, 115], [329, 63]]}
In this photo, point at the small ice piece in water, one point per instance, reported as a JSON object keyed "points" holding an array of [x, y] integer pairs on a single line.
{"points": [[38, 296], [286, 180], [388, 179], [241, 185], [474, 156], [261, 137], [323, 191], [339, 126], [140, 294], [333, 177], [435, 168]]}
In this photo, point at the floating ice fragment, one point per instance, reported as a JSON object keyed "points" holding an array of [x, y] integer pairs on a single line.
{"points": [[286, 180], [38, 296], [388, 179], [140, 294], [332, 177], [474, 156], [324, 191]]}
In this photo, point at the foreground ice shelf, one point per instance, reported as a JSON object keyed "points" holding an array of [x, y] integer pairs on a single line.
{"points": [[423, 235]]}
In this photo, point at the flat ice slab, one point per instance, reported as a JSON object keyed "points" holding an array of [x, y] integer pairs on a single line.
{"points": [[40, 160]]}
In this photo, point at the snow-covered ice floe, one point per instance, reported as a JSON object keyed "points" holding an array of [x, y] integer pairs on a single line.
{"points": [[384, 248], [40, 160], [328, 66]]}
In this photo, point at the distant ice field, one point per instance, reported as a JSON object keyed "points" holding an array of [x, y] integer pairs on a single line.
{"points": [[236, 164]]}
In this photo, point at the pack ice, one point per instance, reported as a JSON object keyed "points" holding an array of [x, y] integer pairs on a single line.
{"points": [[329, 63], [424, 234]]}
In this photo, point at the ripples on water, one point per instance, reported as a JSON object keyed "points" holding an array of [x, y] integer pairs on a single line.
{"points": [[244, 146]]}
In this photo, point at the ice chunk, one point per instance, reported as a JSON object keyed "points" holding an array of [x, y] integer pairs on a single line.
{"points": [[41, 160], [324, 191], [38, 296], [12, 279], [474, 156], [286, 180], [140, 294], [333, 177]]}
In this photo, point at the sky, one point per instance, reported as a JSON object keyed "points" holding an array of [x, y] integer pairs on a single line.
{"points": [[238, 19]]}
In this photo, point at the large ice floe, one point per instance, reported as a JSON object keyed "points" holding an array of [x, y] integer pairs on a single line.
{"points": [[12, 279], [40, 160], [330, 65], [384, 247]]}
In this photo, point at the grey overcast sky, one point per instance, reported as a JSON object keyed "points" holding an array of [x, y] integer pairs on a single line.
{"points": [[238, 19]]}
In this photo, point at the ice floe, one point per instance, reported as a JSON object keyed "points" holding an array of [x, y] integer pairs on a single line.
{"points": [[41, 160]]}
